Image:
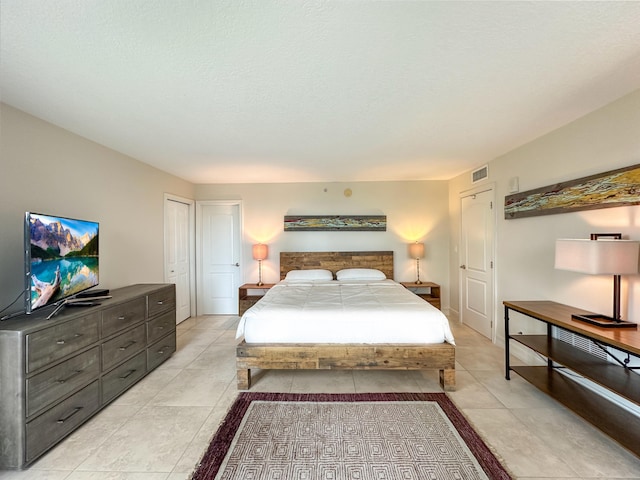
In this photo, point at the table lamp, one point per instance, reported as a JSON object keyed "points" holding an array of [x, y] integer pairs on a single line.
{"points": [[416, 250], [603, 254], [260, 253]]}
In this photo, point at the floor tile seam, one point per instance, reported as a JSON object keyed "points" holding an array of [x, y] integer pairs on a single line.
{"points": [[103, 439], [585, 424], [523, 428], [124, 472], [150, 407], [35, 468], [487, 368], [486, 387], [187, 445], [150, 401]]}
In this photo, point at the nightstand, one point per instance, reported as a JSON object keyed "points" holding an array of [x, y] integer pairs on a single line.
{"points": [[246, 301], [428, 291]]}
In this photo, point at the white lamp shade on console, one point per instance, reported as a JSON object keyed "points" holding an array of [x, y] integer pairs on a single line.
{"points": [[597, 257], [600, 256]]}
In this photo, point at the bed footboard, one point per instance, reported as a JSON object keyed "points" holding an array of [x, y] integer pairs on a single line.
{"points": [[439, 356]]}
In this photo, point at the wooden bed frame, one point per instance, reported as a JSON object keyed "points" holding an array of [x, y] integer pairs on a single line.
{"points": [[440, 356]]}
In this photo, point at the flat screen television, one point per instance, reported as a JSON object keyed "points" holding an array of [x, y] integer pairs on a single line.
{"points": [[61, 258]]}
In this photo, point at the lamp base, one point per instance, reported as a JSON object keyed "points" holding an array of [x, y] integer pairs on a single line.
{"points": [[604, 321]]}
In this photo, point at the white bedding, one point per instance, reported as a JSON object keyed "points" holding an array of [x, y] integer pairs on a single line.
{"points": [[343, 312]]}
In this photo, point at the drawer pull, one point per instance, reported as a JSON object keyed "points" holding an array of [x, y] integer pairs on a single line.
{"points": [[121, 317], [128, 374], [160, 302], [127, 345], [74, 374], [69, 415], [161, 351], [62, 342]]}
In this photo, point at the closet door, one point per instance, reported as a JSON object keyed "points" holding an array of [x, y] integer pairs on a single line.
{"points": [[219, 257], [177, 254]]}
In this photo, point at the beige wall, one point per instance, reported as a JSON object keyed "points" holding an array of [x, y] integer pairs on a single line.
{"points": [[603, 140], [46, 169], [50, 170], [414, 210]]}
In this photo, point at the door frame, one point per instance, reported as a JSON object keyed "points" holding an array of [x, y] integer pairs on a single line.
{"points": [[198, 239], [192, 245], [494, 221]]}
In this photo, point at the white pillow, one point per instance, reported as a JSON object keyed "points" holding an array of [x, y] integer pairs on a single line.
{"points": [[306, 275], [370, 274]]}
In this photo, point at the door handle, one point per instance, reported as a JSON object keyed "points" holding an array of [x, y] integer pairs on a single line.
{"points": [[463, 267]]}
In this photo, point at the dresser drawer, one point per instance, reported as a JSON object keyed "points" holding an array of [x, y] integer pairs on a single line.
{"points": [[122, 316], [161, 350], [49, 428], [159, 327], [123, 346], [59, 340], [49, 386], [122, 377], [162, 301]]}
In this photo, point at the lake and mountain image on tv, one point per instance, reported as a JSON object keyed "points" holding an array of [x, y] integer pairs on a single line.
{"points": [[62, 258]]}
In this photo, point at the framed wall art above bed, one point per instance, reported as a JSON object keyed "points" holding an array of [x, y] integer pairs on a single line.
{"points": [[344, 223]]}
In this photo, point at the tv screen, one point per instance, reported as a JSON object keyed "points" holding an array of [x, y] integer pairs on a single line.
{"points": [[61, 258]]}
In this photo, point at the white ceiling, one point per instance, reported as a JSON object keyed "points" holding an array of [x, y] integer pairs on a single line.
{"points": [[285, 91]]}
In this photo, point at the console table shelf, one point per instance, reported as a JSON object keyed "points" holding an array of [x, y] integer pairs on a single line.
{"points": [[613, 420], [608, 416], [605, 374]]}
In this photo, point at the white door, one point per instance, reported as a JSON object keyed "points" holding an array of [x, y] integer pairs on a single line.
{"points": [[177, 254], [219, 257], [476, 262]]}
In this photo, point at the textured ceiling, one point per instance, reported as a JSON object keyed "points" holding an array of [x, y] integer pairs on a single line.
{"points": [[266, 91]]}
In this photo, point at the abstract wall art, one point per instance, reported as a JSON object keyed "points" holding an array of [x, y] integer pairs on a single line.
{"points": [[614, 188], [345, 223]]}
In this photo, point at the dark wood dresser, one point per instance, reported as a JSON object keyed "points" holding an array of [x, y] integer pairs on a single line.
{"points": [[56, 374]]}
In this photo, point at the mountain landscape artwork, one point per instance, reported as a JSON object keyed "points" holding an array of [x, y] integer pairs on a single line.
{"points": [[64, 257]]}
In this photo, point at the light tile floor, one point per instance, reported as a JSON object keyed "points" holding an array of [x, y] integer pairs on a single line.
{"points": [[159, 429]]}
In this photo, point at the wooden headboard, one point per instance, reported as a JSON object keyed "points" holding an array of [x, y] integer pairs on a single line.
{"points": [[335, 261]]}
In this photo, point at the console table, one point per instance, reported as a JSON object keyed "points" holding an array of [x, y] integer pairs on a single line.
{"points": [[608, 416], [56, 374]]}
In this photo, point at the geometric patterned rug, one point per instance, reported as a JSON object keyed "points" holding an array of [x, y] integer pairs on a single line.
{"points": [[390, 436]]}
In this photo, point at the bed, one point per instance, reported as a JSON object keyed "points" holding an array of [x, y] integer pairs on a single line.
{"points": [[263, 347]]}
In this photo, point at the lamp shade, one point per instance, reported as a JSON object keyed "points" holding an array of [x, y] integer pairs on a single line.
{"points": [[597, 257], [416, 250], [260, 251]]}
